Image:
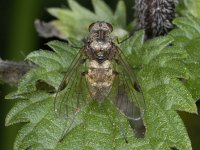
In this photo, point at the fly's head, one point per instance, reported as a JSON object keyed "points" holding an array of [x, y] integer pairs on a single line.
{"points": [[100, 26], [99, 41]]}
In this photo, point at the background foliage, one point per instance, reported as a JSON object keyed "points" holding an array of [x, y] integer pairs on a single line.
{"points": [[183, 55]]}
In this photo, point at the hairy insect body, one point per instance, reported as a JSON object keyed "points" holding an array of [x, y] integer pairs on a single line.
{"points": [[100, 51], [100, 77]]}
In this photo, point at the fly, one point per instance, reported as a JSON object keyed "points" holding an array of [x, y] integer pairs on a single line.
{"points": [[99, 72]]}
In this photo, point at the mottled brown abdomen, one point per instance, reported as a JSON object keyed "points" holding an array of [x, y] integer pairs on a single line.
{"points": [[100, 78]]}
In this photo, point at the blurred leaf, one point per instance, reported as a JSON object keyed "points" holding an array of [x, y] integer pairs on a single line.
{"points": [[102, 10], [189, 25], [120, 14], [74, 22], [189, 7]]}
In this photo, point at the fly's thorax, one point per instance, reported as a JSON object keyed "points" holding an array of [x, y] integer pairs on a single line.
{"points": [[100, 45], [100, 50], [100, 77]]}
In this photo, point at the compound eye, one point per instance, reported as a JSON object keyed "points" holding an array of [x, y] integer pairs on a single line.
{"points": [[91, 27], [110, 27]]}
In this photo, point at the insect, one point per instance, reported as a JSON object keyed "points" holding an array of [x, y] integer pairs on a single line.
{"points": [[99, 72]]}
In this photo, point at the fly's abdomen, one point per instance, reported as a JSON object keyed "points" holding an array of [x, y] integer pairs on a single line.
{"points": [[100, 78]]}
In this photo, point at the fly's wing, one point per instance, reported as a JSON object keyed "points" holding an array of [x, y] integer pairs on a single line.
{"points": [[129, 82], [123, 102], [126, 96], [72, 93]]}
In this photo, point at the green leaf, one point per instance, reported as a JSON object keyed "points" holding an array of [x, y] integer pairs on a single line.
{"points": [[193, 64], [188, 37], [44, 129], [74, 22], [100, 130], [191, 7], [134, 44], [189, 25], [162, 65], [120, 13], [79, 10], [45, 59], [166, 125], [37, 111], [102, 10]]}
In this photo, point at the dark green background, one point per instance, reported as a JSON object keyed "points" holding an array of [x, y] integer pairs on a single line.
{"points": [[18, 38]]}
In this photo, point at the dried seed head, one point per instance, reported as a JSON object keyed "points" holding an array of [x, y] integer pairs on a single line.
{"points": [[155, 16]]}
